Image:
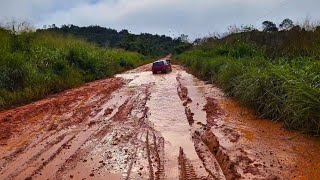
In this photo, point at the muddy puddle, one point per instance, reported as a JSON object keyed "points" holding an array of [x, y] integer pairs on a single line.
{"points": [[143, 126]]}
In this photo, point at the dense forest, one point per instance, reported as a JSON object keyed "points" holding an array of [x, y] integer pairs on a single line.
{"points": [[144, 43]]}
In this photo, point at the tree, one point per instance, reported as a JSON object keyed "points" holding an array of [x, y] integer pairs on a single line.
{"points": [[269, 26], [197, 41], [286, 24], [124, 31], [144, 43], [296, 28], [183, 38], [248, 28]]}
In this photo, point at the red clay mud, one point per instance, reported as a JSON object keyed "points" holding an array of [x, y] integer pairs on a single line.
{"points": [[273, 149], [142, 126]]}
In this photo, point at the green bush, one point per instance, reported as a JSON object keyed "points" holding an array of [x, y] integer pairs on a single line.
{"points": [[284, 89], [33, 65]]}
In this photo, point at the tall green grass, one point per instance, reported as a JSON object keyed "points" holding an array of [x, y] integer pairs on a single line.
{"points": [[283, 89], [33, 65]]}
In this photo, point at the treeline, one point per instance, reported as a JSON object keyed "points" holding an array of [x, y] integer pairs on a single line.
{"points": [[36, 64], [275, 72], [144, 43], [288, 40]]}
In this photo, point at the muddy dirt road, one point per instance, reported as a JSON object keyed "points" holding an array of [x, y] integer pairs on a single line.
{"points": [[143, 126]]}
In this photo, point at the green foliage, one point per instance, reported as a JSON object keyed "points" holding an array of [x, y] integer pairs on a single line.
{"points": [[286, 24], [33, 65], [282, 88], [144, 43], [269, 26]]}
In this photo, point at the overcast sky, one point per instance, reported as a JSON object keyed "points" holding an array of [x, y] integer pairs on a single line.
{"points": [[196, 18]]}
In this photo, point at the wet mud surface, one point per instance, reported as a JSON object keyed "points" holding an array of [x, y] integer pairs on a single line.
{"points": [[143, 126]]}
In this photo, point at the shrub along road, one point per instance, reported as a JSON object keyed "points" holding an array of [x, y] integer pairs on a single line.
{"points": [[142, 126]]}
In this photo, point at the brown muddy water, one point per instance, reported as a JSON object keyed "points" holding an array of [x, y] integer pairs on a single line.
{"points": [[143, 126]]}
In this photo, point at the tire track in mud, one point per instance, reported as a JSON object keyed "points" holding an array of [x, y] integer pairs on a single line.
{"points": [[82, 152], [210, 162], [151, 175], [133, 156], [211, 141], [125, 118], [141, 121], [56, 106], [17, 121], [154, 150], [40, 150], [102, 128], [159, 153], [215, 138], [21, 162], [174, 136], [238, 165], [46, 162], [186, 170], [232, 161]]}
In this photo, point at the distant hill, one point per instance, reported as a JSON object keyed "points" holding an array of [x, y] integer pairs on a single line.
{"points": [[144, 43]]}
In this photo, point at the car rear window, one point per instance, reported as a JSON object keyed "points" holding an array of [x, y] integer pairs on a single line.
{"points": [[160, 63]]}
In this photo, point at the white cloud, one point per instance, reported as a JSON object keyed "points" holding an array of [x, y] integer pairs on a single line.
{"points": [[195, 18]]}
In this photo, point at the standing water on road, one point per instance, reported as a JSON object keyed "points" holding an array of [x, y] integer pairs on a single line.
{"points": [[167, 116]]}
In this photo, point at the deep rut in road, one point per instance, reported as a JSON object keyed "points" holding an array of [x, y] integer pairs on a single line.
{"points": [[142, 126]]}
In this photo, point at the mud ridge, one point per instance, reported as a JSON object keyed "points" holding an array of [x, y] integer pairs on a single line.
{"points": [[228, 167], [182, 90], [189, 115], [183, 94], [210, 162]]}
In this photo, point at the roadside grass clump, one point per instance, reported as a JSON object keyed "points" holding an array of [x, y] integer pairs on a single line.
{"points": [[264, 90], [229, 76], [36, 64], [303, 107], [281, 88]]}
